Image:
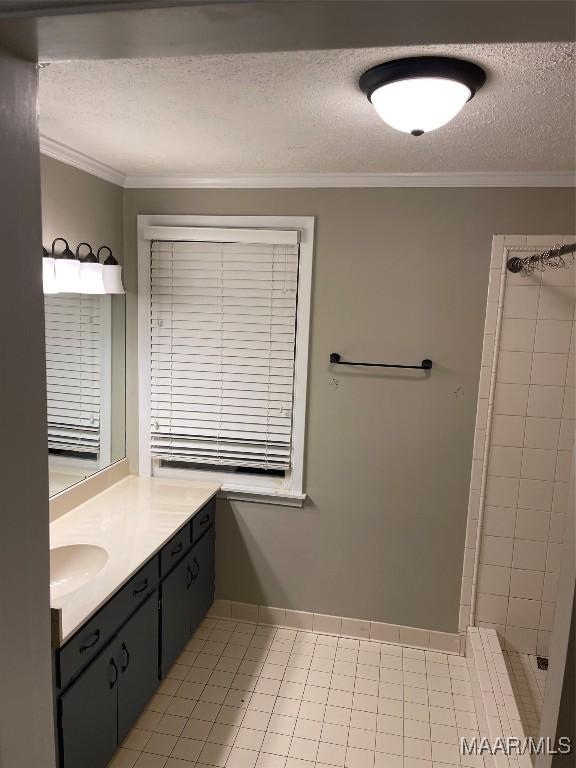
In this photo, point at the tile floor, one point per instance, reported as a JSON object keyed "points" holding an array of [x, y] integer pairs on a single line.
{"points": [[528, 683], [252, 696]]}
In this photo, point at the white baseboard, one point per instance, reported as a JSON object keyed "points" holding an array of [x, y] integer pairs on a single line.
{"points": [[445, 642]]}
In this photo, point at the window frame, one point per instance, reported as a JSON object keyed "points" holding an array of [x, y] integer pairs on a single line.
{"points": [[290, 489]]}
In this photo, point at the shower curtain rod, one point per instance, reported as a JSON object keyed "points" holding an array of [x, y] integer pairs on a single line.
{"points": [[550, 258]]}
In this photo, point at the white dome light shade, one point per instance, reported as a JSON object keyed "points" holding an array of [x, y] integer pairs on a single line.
{"points": [[112, 272], [66, 268], [113, 278], [421, 93], [420, 104], [48, 275], [91, 278], [67, 275]]}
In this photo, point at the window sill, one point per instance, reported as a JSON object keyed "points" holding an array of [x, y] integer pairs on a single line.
{"points": [[262, 496]]}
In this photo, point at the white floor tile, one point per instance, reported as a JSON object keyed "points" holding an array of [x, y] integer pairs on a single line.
{"points": [[337, 715], [308, 729], [419, 748], [362, 739], [389, 744], [124, 758], [252, 696], [150, 761], [241, 758], [266, 760], [249, 739], [382, 760], [334, 734], [276, 743], [359, 758], [187, 749], [414, 711], [304, 749], [331, 754], [364, 720], [416, 729]]}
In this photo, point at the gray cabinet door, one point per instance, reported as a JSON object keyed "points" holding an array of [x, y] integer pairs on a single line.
{"points": [[136, 649], [202, 589], [176, 613], [88, 712]]}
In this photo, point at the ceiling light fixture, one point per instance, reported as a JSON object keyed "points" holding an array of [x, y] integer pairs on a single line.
{"points": [[421, 93]]}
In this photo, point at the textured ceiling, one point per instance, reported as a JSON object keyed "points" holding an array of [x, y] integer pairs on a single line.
{"points": [[301, 111]]}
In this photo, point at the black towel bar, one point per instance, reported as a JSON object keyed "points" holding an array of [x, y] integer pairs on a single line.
{"points": [[425, 365]]}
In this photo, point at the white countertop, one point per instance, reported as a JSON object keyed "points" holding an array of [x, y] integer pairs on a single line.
{"points": [[132, 520]]}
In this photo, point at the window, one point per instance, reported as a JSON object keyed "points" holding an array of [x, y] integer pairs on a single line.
{"points": [[223, 331]]}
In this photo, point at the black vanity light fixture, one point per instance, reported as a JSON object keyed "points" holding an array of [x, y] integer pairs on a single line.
{"points": [[64, 271], [421, 93]]}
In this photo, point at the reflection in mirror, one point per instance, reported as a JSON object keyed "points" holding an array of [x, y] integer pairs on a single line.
{"points": [[85, 377]]}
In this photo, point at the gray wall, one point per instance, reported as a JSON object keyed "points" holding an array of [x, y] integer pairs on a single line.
{"points": [[26, 724], [80, 207], [399, 275], [83, 208]]}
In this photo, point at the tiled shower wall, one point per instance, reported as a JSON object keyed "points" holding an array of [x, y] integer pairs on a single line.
{"points": [[522, 450]]}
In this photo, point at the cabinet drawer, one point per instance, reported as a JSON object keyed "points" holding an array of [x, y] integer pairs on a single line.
{"points": [[94, 635], [203, 520], [174, 551]]}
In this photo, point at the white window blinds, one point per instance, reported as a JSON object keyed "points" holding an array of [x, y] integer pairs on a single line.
{"points": [[223, 328], [74, 344]]}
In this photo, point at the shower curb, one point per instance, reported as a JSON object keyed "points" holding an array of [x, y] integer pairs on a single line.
{"points": [[496, 708]]}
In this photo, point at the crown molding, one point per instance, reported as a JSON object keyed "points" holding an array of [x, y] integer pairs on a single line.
{"points": [[73, 157], [66, 154], [323, 180]]}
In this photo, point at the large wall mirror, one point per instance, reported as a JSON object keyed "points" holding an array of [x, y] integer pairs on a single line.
{"points": [[85, 376]]}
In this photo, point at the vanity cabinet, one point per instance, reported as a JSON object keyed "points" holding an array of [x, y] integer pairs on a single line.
{"points": [[93, 636], [107, 672], [98, 710], [137, 648], [186, 594], [87, 716], [203, 583]]}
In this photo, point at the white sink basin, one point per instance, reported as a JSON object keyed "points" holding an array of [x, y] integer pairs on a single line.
{"points": [[73, 566]]}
